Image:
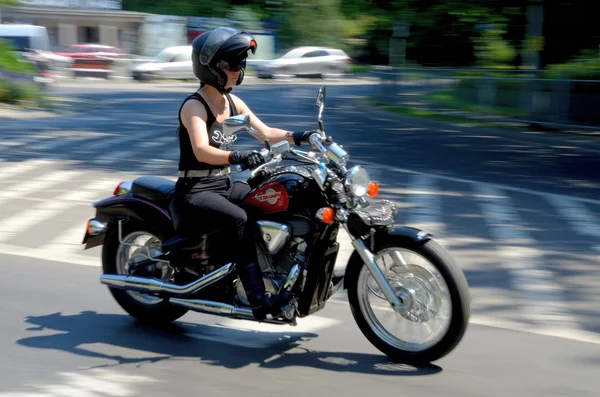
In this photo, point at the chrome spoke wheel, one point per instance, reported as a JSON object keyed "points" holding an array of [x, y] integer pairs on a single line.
{"points": [[424, 295], [138, 246]]}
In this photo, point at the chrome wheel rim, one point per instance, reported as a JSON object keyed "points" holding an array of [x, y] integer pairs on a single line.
{"points": [[129, 254], [425, 296]]}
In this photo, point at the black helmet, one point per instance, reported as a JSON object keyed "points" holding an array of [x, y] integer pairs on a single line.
{"points": [[221, 44]]}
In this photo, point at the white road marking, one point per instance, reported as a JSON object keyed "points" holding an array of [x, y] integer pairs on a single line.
{"points": [[22, 189], [12, 170], [340, 298], [92, 383], [55, 254], [530, 272], [425, 205], [542, 298], [472, 181], [581, 220], [58, 142]]}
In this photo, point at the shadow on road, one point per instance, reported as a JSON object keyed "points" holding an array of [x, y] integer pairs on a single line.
{"points": [[211, 345]]}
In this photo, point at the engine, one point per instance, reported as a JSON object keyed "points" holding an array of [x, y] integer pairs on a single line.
{"points": [[283, 256]]}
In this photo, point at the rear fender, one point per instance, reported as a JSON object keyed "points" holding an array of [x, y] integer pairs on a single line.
{"points": [[402, 235], [126, 207]]}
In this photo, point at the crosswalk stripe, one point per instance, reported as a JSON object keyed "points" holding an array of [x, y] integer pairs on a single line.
{"points": [[35, 215], [37, 253], [426, 206], [470, 182], [57, 142], [19, 190], [69, 241], [109, 141], [581, 220], [92, 383], [542, 298], [23, 140], [13, 170], [107, 158]]}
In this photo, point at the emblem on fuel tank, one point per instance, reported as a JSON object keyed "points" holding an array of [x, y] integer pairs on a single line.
{"points": [[270, 196]]}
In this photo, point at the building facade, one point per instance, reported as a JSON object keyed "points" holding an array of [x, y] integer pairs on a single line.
{"points": [[80, 21], [104, 22]]}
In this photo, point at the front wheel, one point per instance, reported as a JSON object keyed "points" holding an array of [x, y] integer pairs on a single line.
{"points": [[434, 293]]}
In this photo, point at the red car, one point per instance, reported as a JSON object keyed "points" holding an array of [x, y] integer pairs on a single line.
{"points": [[92, 59]]}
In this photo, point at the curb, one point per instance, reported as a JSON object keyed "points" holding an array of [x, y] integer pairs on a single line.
{"points": [[80, 105]]}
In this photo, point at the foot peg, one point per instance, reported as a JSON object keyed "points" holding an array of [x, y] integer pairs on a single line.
{"points": [[289, 313]]}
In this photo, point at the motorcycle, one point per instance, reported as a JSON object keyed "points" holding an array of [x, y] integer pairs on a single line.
{"points": [[157, 274]]}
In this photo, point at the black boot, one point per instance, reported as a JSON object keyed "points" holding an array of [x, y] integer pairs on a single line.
{"points": [[261, 302]]}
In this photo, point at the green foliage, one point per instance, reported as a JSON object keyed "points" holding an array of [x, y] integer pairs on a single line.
{"points": [[179, 7], [247, 17], [18, 89], [492, 49], [10, 62], [442, 32], [13, 92], [311, 22]]}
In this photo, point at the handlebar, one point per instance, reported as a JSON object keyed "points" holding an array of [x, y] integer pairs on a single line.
{"points": [[242, 167], [316, 140]]}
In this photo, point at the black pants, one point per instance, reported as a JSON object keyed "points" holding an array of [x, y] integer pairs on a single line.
{"points": [[213, 203]]}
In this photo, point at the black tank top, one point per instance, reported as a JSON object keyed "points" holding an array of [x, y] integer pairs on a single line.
{"points": [[187, 158]]}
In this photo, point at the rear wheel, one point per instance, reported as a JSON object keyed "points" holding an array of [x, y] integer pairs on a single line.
{"points": [[117, 259], [434, 293]]}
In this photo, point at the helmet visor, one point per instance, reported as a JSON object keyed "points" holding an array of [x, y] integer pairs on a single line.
{"points": [[214, 42]]}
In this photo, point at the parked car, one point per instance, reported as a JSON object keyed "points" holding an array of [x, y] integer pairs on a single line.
{"points": [[95, 60], [171, 63], [31, 43], [306, 61]]}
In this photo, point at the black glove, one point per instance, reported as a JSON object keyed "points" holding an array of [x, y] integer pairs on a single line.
{"points": [[249, 158], [300, 137]]}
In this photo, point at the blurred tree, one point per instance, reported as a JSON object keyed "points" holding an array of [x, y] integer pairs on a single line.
{"points": [[442, 32], [246, 16], [179, 7], [311, 22]]}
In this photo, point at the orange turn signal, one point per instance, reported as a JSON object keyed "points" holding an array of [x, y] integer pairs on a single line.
{"points": [[326, 215], [373, 189]]}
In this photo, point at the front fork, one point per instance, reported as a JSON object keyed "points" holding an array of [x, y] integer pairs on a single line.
{"points": [[369, 260]]}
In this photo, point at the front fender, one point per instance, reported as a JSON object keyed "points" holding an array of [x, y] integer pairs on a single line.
{"points": [[401, 235], [130, 207]]}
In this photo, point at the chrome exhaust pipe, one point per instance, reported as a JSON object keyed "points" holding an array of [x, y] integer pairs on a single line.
{"points": [[153, 285], [221, 309]]}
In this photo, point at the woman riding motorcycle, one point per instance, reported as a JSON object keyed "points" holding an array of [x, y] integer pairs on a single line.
{"points": [[205, 192]]}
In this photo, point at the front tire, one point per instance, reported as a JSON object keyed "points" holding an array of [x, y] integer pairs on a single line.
{"points": [[145, 308], [395, 348]]}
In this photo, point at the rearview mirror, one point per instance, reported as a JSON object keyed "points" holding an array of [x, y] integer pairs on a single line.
{"points": [[321, 96], [321, 104], [236, 124]]}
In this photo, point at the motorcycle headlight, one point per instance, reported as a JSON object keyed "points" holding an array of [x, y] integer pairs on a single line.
{"points": [[357, 181]]}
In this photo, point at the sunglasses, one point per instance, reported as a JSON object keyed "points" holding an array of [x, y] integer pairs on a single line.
{"points": [[232, 66]]}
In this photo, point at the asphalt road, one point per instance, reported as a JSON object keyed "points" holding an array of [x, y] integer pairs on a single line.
{"points": [[519, 210]]}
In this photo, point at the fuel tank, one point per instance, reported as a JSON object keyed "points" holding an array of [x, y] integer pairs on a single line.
{"points": [[292, 191]]}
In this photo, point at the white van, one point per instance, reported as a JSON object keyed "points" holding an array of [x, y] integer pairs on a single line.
{"points": [[25, 38]]}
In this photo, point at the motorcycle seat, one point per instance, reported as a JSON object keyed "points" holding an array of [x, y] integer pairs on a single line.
{"points": [[160, 191], [155, 189]]}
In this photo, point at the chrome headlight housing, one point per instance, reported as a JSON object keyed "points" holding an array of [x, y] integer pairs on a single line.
{"points": [[357, 181]]}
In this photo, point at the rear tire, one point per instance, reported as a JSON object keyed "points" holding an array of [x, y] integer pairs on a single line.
{"points": [[458, 291], [158, 313]]}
